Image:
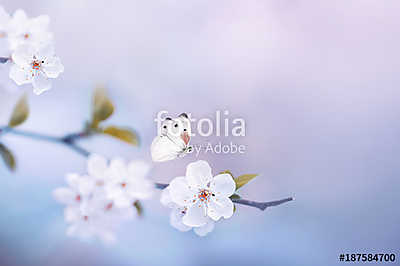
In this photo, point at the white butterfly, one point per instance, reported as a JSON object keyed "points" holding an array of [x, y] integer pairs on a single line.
{"points": [[173, 141]]}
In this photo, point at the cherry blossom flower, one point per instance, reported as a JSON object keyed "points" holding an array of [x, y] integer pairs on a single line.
{"points": [[4, 20], [36, 66], [23, 30], [177, 214], [89, 212], [87, 221], [203, 195], [79, 187], [87, 216], [97, 168], [93, 216], [127, 183]]}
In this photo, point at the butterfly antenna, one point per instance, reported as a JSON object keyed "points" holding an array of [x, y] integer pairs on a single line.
{"points": [[184, 115]]}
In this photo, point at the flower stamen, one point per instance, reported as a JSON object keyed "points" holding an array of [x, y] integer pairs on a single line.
{"points": [[36, 65], [109, 206], [204, 195]]}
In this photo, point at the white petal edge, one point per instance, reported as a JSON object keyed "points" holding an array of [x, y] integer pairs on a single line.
{"points": [[205, 229], [195, 216], [180, 192], [19, 75], [138, 169], [40, 83], [220, 207], [223, 185], [64, 195], [175, 220], [198, 174], [23, 55], [97, 166]]}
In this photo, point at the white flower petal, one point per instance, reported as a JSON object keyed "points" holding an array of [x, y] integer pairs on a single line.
{"points": [[220, 207], [65, 196], [40, 83], [180, 192], [175, 220], [97, 166], [198, 174], [46, 52], [195, 216], [140, 189], [138, 169], [40, 23], [205, 229], [54, 68], [86, 185], [223, 185], [113, 191], [72, 214], [19, 16], [166, 199], [19, 75], [122, 202], [73, 180], [4, 17], [23, 55], [117, 170]]}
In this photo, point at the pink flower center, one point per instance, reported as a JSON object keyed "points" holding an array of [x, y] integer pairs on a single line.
{"points": [[204, 195], [26, 36], [78, 198], [123, 185], [109, 206], [36, 65]]}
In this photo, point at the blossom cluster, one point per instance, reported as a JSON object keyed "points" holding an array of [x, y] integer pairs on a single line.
{"points": [[198, 199], [103, 198], [28, 46], [100, 200]]}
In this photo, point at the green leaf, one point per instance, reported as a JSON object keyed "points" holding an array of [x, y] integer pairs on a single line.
{"points": [[20, 112], [8, 157], [234, 208], [227, 172], [122, 134], [243, 180], [235, 196], [103, 108], [139, 207]]}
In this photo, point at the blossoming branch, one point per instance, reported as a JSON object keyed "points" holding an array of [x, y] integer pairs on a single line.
{"points": [[106, 195], [27, 47]]}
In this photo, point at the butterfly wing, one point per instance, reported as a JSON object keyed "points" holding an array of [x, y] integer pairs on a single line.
{"points": [[179, 130], [174, 139], [163, 149]]}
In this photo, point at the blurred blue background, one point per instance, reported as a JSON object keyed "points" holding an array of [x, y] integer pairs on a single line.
{"points": [[316, 81]]}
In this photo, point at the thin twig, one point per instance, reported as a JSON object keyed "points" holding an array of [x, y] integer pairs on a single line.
{"points": [[161, 186], [3, 60], [259, 205], [68, 140]]}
